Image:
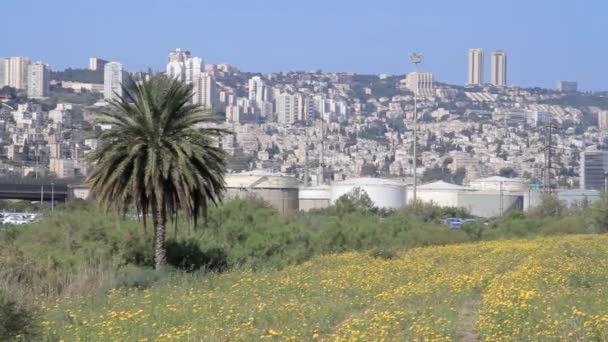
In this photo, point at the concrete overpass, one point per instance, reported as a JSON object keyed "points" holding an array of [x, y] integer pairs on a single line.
{"points": [[32, 189]]}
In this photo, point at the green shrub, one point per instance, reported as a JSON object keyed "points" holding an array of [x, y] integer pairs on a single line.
{"points": [[599, 215], [17, 321], [187, 255], [474, 230], [431, 213], [136, 249], [383, 253], [138, 277]]}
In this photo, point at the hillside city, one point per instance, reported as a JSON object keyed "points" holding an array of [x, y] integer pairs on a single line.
{"points": [[323, 127]]}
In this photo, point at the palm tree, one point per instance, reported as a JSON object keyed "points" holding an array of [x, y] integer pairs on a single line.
{"points": [[156, 158]]}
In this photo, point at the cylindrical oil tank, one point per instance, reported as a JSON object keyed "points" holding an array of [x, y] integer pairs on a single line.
{"points": [[385, 193], [315, 197], [497, 183], [280, 191]]}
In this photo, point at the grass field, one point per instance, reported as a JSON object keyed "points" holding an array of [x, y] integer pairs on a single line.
{"points": [[539, 290]]}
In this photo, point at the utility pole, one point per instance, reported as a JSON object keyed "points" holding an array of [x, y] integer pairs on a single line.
{"points": [[416, 58], [36, 159], [52, 196], [548, 157], [501, 200], [321, 174], [306, 157], [41, 196]]}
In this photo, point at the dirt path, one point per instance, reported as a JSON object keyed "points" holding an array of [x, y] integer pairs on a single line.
{"points": [[465, 330]]}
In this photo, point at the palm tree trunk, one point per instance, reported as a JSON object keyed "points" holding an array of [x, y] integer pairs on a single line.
{"points": [[160, 250]]}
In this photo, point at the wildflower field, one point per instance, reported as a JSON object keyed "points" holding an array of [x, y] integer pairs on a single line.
{"points": [[546, 289]]}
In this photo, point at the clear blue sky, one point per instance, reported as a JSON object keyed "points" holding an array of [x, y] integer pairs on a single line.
{"points": [[546, 40]]}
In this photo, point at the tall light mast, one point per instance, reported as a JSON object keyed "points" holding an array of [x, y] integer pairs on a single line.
{"points": [[416, 58]]}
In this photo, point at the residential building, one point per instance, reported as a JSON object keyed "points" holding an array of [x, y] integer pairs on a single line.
{"points": [[258, 90], [112, 80], [182, 66], [38, 80], [602, 120], [567, 86], [594, 168], [240, 114], [420, 83], [499, 68], [475, 67], [67, 168], [16, 72], [292, 108], [3, 72], [537, 118], [97, 63], [205, 90], [78, 87]]}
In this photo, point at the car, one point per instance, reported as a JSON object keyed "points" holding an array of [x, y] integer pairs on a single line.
{"points": [[454, 222]]}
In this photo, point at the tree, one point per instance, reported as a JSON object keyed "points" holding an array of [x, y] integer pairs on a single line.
{"points": [[507, 172], [550, 206], [156, 157], [459, 175], [599, 214], [355, 200], [369, 170]]}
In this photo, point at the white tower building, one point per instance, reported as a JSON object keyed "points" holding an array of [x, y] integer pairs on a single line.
{"points": [[205, 90], [182, 66], [16, 72], [292, 108], [112, 80], [3, 72], [38, 80], [499, 68], [420, 83], [258, 90], [475, 67]]}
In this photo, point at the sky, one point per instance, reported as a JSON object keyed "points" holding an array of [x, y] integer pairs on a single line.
{"points": [[545, 40]]}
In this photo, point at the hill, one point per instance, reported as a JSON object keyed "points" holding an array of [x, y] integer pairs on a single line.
{"points": [[78, 75], [541, 289]]}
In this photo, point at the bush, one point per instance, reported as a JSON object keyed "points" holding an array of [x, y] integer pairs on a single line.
{"points": [[429, 212], [550, 206], [383, 253], [474, 230], [137, 249], [187, 255], [138, 277], [17, 321], [599, 215]]}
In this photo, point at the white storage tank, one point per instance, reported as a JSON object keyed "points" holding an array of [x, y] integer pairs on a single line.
{"points": [[497, 183], [278, 190], [578, 196], [439, 193], [385, 193], [315, 197]]}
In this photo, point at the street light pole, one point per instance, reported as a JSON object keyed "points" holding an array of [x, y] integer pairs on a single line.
{"points": [[52, 196], [416, 58]]}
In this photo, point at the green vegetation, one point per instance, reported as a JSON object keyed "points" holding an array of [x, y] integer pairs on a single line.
{"points": [[157, 158], [17, 321], [78, 75], [80, 250], [491, 291], [60, 95], [580, 100]]}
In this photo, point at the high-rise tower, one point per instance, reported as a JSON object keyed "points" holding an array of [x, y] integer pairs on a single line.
{"points": [[499, 68], [475, 67]]}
